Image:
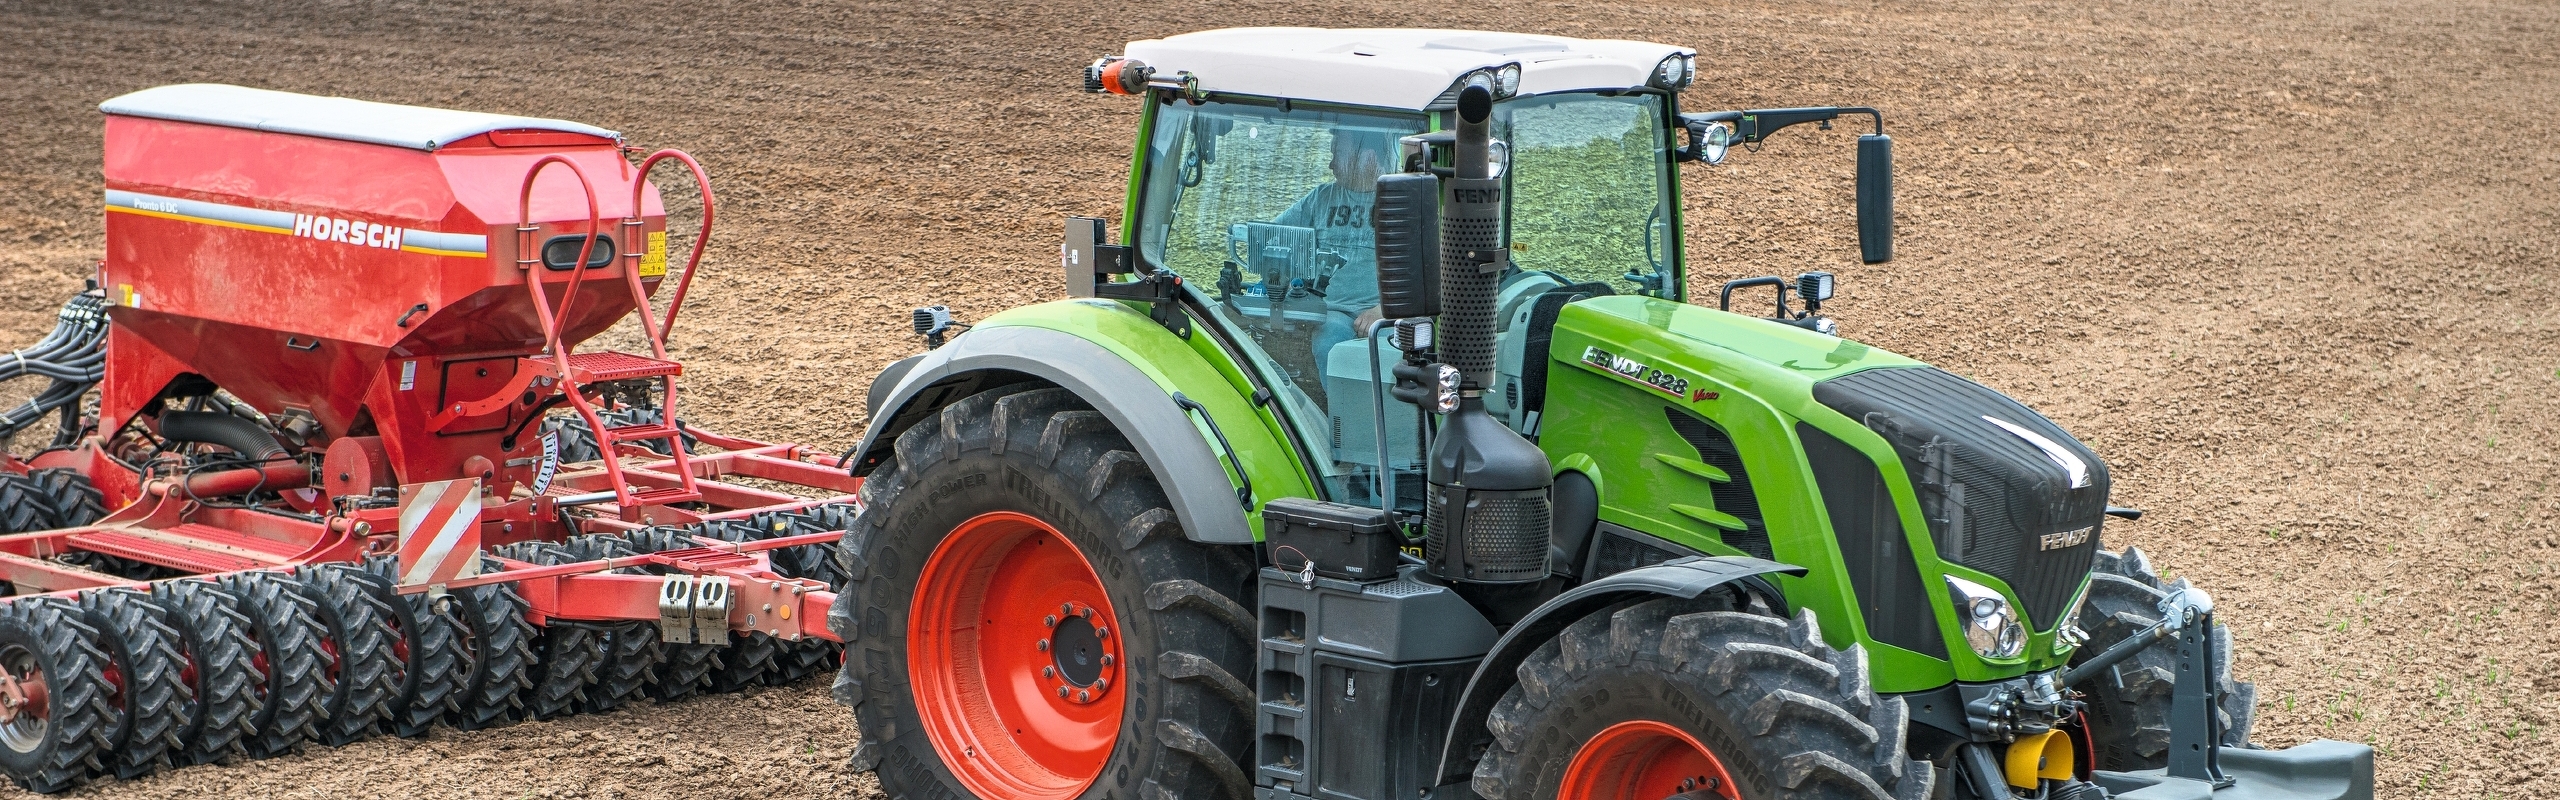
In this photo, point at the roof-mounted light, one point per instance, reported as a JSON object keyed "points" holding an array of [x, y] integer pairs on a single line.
{"points": [[1675, 73], [1503, 80], [1506, 80]]}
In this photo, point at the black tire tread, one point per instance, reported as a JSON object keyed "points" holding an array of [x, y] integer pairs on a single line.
{"points": [[1809, 719], [631, 649], [567, 655], [500, 643], [431, 681], [358, 625], [684, 669], [152, 709], [1204, 734], [81, 719], [2128, 712], [285, 625], [214, 637]]}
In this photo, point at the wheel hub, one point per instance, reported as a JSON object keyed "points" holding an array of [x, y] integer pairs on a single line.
{"points": [[25, 702], [1083, 660], [1645, 760], [1013, 654]]}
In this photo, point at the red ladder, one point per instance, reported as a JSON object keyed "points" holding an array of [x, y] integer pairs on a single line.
{"points": [[574, 370]]}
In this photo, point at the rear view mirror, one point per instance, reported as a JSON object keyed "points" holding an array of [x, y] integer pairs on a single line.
{"points": [[1875, 198], [1406, 220]]}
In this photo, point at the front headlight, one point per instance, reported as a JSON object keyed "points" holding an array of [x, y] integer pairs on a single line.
{"points": [[1990, 623]]}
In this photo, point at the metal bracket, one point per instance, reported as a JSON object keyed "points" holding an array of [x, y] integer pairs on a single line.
{"points": [[694, 609], [2195, 721]]}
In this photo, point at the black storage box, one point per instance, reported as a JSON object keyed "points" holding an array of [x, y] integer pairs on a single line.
{"points": [[1353, 543]]}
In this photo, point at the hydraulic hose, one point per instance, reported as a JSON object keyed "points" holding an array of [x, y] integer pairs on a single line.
{"points": [[221, 428], [72, 355]]}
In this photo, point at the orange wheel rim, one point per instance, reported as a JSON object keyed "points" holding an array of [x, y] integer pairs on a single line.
{"points": [[1644, 760], [1014, 653]]}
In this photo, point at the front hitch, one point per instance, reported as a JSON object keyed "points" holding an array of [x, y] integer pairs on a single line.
{"points": [[2200, 767]]}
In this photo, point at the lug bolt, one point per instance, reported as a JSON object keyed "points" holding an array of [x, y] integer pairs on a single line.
{"points": [[1062, 691], [1101, 684], [1087, 612], [1048, 672], [1049, 621], [1102, 632], [1106, 659], [1084, 696], [1067, 608], [1043, 645]]}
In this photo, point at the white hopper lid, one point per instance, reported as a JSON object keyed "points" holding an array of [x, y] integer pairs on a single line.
{"points": [[413, 127]]}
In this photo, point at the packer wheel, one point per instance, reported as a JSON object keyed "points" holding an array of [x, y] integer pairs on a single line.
{"points": [[566, 655], [499, 642], [430, 658], [685, 669], [55, 716], [284, 626], [146, 686], [220, 671], [365, 667], [631, 649]]}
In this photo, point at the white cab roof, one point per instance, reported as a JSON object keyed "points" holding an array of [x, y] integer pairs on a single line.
{"points": [[413, 127], [1392, 67]]}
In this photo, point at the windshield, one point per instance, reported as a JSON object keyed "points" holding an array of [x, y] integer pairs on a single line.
{"points": [[1590, 193], [1265, 215]]}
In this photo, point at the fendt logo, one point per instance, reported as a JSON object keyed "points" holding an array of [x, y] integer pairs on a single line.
{"points": [[1638, 371], [347, 231], [2066, 539]]}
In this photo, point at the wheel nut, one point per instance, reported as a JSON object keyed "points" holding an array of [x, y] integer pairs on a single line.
{"points": [[1043, 645], [1049, 621], [1066, 608], [1048, 672], [1106, 659], [1062, 691], [1103, 632], [1102, 684], [1083, 696]]}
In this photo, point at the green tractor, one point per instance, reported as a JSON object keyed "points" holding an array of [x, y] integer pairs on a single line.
{"points": [[1380, 456]]}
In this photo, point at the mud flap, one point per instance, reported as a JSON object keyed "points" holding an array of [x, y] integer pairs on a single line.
{"points": [[2322, 769]]}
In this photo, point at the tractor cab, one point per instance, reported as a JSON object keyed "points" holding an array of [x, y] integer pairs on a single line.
{"points": [[1256, 182]]}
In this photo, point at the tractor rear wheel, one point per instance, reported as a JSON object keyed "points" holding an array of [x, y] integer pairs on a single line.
{"points": [[284, 624], [2128, 711], [55, 717], [1025, 618], [222, 674], [148, 692], [427, 648], [1665, 697], [500, 642]]}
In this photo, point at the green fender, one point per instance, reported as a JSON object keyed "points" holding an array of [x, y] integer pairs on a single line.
{"points": [[1130, 369]]}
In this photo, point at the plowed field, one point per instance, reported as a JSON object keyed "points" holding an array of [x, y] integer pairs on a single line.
{"points": [[2289, 264]]}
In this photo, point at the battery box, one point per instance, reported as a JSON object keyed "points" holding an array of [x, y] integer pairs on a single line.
{"points": [[1357, 683]]}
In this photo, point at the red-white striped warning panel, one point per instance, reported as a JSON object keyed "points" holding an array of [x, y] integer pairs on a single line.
{"points": [[439, 531]]}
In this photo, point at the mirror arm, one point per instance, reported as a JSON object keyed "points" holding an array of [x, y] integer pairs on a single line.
{"points": [[1750, 127]]}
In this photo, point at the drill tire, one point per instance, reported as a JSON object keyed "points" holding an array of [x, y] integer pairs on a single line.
{"points": [[47, 635], [76, 502], [149, 697], [500, 641], [1785, 714], [1043, 452], [798, 661], [566, 655], [357, 628], [24, 505], [749, 656], [213, 637], [631, 649], [684, 669], [431, 656], [284, 624], [2128, 716]]}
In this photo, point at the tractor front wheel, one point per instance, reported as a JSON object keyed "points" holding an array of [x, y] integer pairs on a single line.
{"points": [[2128, 716], [1671, 697], [1026, 620]]}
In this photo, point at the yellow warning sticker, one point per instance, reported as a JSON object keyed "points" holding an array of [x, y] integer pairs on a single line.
{"points": [[653, 261]]}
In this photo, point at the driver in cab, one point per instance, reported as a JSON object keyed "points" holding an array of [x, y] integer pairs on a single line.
{"points": [[1339, 211]]}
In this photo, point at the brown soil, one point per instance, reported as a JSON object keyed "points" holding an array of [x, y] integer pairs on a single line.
{"points": [[2290, 265]]}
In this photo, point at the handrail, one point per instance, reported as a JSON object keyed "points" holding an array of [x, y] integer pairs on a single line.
{"points": [[658, 331], [528, 257]]}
